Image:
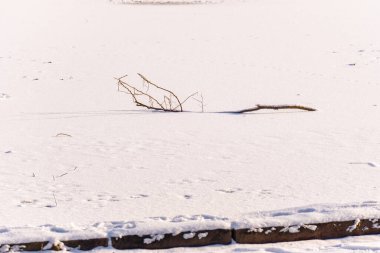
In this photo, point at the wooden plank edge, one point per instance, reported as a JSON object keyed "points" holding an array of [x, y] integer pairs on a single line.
{"points": [[329, 230], [82, 244], [166, 241]]}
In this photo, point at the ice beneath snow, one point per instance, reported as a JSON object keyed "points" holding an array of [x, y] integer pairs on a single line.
{"points": [[79, 156]]}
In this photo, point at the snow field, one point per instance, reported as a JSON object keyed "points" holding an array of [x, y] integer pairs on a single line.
{"points": [[74, 152]]}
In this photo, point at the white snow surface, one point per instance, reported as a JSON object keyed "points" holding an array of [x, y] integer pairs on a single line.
{"points": [[311, 214], [77, 158]]}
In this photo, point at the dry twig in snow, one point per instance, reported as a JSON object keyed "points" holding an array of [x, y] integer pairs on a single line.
{"points": [[154, 97]]}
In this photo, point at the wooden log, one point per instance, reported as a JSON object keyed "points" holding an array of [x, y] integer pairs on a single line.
{"points": [[88, 244], [165, 241], [328, 230]]}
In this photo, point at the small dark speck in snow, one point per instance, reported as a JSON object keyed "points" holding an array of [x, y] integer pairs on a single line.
{"points": [[351, 64], [8, 152]]}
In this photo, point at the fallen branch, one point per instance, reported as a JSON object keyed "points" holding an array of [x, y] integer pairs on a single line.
{"points": [[169, 101], [273, 107]]}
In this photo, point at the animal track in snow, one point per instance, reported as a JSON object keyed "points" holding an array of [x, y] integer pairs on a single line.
{"points": [[181, 182], [371, 164], [139, 196], [159, 218], [120, 224], [192, 181], [207, 180], [107, 197], [44, 202], [229, 190], [265, 193], [277, 214], [103, 199], [307, 210], [4, 230], [28, 202], [4, 96], [58, 229]]}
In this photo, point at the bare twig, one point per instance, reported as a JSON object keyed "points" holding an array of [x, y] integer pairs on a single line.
{"points": [[64, 174], [170, 101], [135, 93], [184, 101], [63, 135], [55, 200], [158, 87], [200, 101]]}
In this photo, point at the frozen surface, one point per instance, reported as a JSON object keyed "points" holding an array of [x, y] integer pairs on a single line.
{"points": [[75, 152]]}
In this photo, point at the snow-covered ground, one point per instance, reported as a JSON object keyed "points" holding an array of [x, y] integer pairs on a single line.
{"points": [[75, 152]]}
